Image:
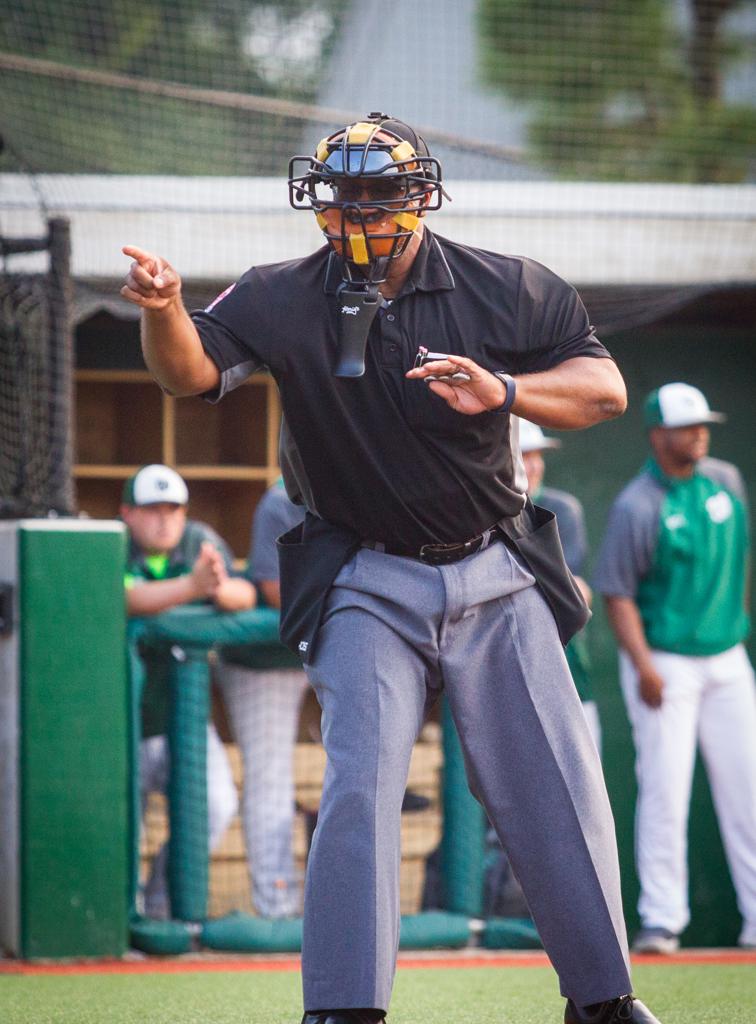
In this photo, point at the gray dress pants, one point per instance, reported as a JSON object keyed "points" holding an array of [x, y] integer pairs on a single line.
{"points": [[395, 633]]}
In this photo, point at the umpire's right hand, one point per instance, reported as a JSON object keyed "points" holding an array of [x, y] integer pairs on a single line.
{"points": [[151, 282]]}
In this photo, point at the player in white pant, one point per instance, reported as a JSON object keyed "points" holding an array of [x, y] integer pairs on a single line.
{"points": [[707, 700], [222, 805], [673, 571], [263, 708], [263, 690]]}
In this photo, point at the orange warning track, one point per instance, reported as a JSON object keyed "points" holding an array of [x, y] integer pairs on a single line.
{"points": [[189, 965]]}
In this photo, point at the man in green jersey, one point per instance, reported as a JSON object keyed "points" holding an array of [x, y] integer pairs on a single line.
{"points": [[172, 561], [673, 569]]}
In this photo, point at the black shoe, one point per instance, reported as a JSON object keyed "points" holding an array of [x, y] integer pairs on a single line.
{"points": [[343, 1017], [624, 1010]]}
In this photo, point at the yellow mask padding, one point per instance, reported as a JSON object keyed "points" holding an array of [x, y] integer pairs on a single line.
{"points": [[408, 221], [322, 222], [322, 151], [361, 132], [403, 152], [359, 248]]}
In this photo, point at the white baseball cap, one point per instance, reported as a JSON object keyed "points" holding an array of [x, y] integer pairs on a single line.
{"points": [[678, 405], [153, 485], [533, 439]]}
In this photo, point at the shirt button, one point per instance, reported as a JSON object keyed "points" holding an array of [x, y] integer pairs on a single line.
{"points": [[393, 348], [391, 318]]}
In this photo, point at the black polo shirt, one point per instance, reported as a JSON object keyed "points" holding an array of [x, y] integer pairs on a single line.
{"points": [[380, 454]]}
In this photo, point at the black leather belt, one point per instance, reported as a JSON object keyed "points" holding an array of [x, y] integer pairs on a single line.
{"points": [[440, 554]]}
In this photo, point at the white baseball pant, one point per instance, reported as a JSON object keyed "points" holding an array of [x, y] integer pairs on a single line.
{"points": [[222, 805], [263, 710], [590, 710], [712, 701]]}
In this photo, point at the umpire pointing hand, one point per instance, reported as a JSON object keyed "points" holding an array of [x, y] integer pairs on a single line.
{"points": [[420, 565]]}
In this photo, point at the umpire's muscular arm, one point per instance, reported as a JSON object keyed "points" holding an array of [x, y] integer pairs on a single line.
{"points": [[172, 349], [577, 393]]}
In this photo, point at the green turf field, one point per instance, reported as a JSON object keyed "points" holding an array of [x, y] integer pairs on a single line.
{"points": [[678, 994]]}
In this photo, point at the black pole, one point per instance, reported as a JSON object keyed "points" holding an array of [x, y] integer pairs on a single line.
{"points": [[60, 352]]}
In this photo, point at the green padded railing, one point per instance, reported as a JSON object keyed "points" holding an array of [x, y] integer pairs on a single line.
{"points": [[177, 644]]}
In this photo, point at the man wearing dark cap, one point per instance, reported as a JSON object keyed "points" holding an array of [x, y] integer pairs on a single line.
{"points": [[420, 564]]}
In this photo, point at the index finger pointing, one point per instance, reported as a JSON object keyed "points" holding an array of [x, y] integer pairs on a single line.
{"points": [[142, 257]]}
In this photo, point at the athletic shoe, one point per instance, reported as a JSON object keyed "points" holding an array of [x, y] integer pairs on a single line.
{"points": [[624, 1010], [656, 940], [344, 1017]]}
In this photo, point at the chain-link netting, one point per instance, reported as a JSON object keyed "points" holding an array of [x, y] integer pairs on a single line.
{"points": [[643, 90]]}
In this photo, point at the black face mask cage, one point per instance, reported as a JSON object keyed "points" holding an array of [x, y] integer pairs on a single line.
{"points": [[307, 172], [366, 159], [369, 158]]}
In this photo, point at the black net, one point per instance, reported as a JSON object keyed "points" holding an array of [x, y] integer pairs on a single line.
{"points": [[35, 384], [618, 90]]}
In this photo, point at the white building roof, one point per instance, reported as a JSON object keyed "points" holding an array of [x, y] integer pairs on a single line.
{"points": [[214, 228]]}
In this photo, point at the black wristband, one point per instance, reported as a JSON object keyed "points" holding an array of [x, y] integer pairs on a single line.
{"points": [[511, 386]]}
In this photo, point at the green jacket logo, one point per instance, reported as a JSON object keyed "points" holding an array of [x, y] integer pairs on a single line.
{"points": [[719, 507]]}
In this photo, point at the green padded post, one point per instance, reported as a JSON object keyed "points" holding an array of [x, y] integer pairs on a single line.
{"points": [[188, 867], [463, 842], [74, 732]]}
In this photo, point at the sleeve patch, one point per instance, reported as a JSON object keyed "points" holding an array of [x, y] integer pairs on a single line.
{"points": [[218, 298]]}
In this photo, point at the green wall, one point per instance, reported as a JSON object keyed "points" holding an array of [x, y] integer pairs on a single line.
{"points": [[721, 360]]}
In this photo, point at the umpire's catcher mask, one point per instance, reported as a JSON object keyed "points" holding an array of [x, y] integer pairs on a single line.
{"points": [[368, 185]]}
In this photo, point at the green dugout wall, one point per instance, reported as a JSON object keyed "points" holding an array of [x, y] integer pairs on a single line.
{"points": [[720, 358], [64, 740]]}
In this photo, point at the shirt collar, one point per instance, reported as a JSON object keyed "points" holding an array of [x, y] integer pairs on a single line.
{"points": [[430, 272], [654, 469]]}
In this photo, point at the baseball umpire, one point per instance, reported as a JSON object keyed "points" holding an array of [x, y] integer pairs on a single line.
{"points": [[673, 568], [420, 564]]}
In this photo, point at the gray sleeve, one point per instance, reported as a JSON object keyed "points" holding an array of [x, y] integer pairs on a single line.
{"points": [[627, 549], [274, 515], [571, 524], [727, 475]]}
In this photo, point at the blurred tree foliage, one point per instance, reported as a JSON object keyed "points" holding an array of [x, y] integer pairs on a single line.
{"points": [[247, 46], [619, 90]]}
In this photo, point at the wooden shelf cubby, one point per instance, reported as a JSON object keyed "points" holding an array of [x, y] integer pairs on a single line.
{"points": [[227, 453]]}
